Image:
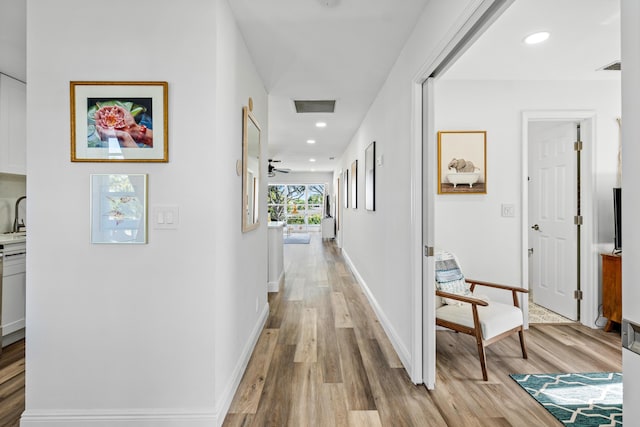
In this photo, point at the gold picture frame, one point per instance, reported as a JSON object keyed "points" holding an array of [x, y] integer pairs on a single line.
{"points": [[119, 121], [462, 162]]}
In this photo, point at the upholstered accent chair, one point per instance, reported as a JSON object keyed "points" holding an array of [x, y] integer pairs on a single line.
{"points": [[460, 309]]}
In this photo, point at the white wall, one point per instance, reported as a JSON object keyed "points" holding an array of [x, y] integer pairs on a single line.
{"points": [[140, 335], [240, 258], [379, 243], [630, 13], [472, 226]]}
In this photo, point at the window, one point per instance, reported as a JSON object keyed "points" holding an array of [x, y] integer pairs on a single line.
{"points": [[299, 205]]}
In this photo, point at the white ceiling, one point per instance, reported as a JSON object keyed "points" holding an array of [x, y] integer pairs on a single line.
{"points": [[585, 36], [306, 50]]}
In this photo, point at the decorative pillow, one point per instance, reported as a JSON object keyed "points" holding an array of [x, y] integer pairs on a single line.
{"points": [[449, 277]]}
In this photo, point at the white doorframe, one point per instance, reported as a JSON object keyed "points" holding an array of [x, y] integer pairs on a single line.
{"points": [[588, 252], [468, 19]]}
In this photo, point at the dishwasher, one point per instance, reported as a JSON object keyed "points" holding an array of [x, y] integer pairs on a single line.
{"points": [[1, 290], [12, 289]]}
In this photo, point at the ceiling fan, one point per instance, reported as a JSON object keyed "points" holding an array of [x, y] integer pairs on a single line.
{"points": [[272, 169]]}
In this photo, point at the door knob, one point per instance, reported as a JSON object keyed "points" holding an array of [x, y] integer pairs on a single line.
{"points": [[535, 227]]}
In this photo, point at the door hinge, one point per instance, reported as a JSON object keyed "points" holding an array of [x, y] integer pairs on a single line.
{"points": [[428, 251], [577, 220], [577, 146], [530, 251], [577, 295]]}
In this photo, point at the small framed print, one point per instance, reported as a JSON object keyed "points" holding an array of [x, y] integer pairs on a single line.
{"points": [[354, 184], [119, 208], [370, 177], [119, 122], [462, 162]]}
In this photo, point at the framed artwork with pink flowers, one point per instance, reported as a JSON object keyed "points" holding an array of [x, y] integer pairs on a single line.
{"points": [[119, 122]]}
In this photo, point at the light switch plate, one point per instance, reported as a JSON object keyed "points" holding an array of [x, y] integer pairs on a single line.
{"points": [[165, 217], [508, 210]]}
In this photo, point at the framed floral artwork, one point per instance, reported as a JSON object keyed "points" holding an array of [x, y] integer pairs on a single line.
{"points": [[119, 122], [119, 208]]}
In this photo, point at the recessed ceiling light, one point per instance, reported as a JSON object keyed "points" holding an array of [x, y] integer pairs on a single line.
{"points": [[536, 38], [312, 160], [311, 141], [321, 125]]}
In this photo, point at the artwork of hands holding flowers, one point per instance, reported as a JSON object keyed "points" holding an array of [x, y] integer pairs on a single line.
{"points": [[126, 121]]}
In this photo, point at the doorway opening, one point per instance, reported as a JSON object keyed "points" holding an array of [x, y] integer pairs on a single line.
{"points": [[558, 213]]}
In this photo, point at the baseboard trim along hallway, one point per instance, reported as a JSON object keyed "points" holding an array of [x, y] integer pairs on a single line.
{"points": [[403, 353]]}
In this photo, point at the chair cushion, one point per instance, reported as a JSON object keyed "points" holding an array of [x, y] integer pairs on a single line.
{"points": [[495, 318], [449, 277]]}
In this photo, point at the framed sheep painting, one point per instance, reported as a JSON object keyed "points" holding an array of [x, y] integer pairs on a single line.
{"points": [[462, 162], [119, 122]]}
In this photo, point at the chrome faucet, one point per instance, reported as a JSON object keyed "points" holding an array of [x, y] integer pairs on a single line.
{"points": [[16, 224]]}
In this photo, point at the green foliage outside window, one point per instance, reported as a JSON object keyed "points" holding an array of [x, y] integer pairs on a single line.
{"points": [[308, 201]]}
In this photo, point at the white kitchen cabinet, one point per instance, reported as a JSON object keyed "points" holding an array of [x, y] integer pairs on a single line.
{"points": [[13, 292], [13, 126], [275, 256], [328, 228]]}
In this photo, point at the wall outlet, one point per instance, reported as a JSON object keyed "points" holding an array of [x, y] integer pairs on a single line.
{"points": [[508, 210]]}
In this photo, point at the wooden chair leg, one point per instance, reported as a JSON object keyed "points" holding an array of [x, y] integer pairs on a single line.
{"points": [[522, 346], [483, 358]]}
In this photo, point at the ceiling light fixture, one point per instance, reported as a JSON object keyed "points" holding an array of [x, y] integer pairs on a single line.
{"points": [[312, 160], [536, 38], [311, 141], [321, 125]]}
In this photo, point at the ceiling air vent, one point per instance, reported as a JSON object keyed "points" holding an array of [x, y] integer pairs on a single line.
{"points": [[315, 106], [614, 66]]}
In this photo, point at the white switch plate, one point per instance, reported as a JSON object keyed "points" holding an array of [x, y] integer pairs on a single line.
{"points": [[508, 210], [165, 217]]}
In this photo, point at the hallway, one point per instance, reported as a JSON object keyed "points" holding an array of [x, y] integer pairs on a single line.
{"points": [[323, 360]]}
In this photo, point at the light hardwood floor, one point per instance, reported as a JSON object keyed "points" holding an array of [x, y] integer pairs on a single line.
{"points": [[324, 360], [12, 384]]}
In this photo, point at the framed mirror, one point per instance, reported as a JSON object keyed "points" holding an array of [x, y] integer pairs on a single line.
{"points": [[250, 169]]}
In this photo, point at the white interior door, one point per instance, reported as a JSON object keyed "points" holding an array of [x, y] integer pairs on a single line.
{"points": [[553, 203]]}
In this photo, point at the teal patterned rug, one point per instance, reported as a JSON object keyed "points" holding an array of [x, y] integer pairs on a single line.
{"points": [[578, 400]]}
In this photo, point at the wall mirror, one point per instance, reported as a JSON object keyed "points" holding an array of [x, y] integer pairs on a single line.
{"points": [[250, 169]]}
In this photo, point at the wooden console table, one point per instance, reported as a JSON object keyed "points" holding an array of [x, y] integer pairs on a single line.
{"points": [[611, 289]]}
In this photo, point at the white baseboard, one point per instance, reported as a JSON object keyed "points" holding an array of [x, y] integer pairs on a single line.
{"points": [[230, 390], [275, 285], [152, 417], [402, 351], [124, 418]]}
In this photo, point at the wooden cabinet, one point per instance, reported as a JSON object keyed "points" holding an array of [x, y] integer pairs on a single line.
{"points": [[13, 126], [612, 289]]}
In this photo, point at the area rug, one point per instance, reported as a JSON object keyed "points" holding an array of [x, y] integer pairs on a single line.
{"points": [[297, 238], [578, 400]]}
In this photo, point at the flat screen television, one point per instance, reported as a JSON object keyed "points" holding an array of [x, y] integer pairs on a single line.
{"points": [[617, 218]]}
